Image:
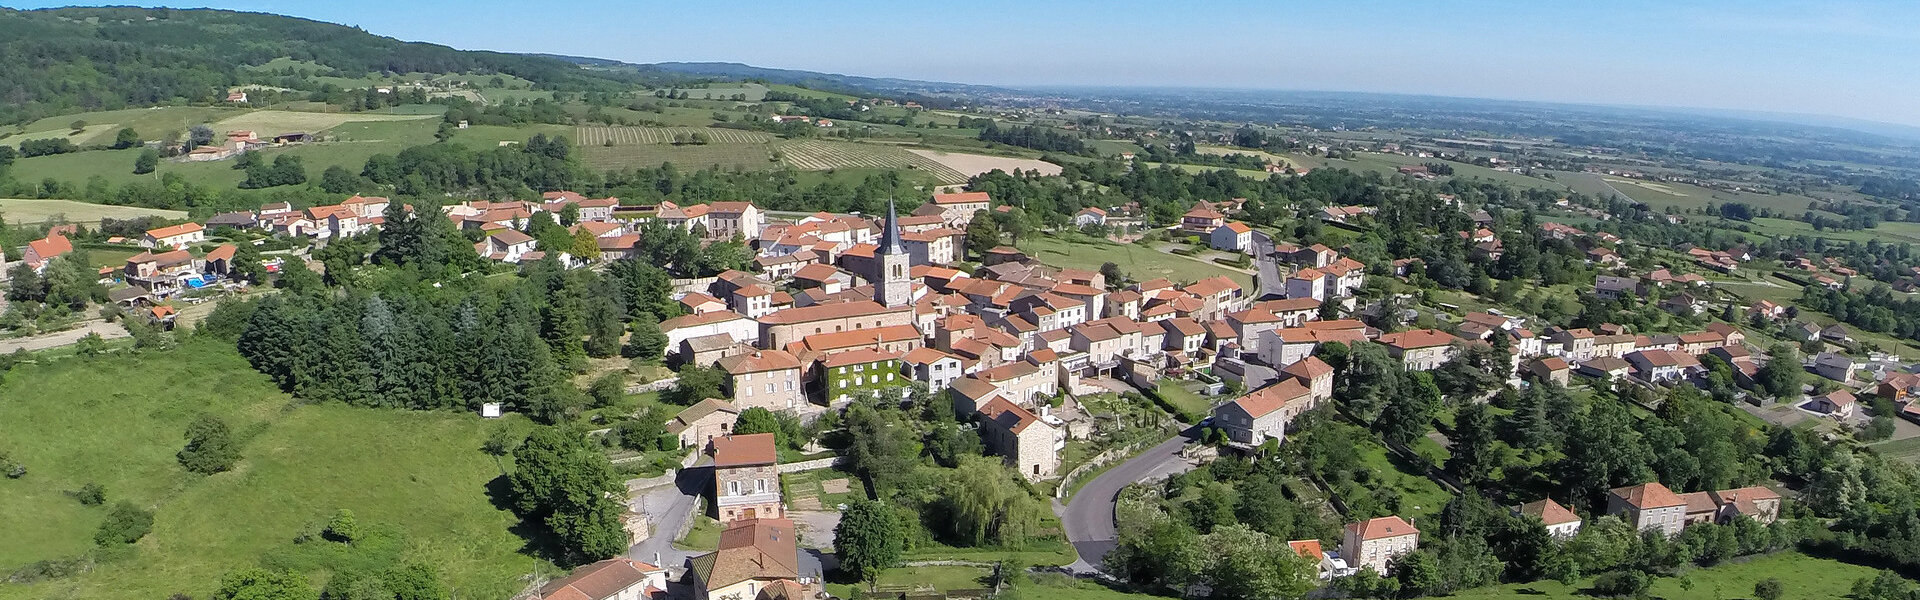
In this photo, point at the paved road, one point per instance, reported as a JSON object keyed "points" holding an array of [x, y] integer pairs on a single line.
{"points": [[666, 508], [1271, 285], [1088, 516], [111, 331]]}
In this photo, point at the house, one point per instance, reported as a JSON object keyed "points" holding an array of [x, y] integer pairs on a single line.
{"points": [[1606, 368], [1610, 287], [1756, 502], [1376, 542], [506, 245], [244, 219], [175, 237], [1341, 214], [932, 367], [1838, 404], [855, 373], [1234, 236], [1648, 507], [618, 578], [1202, 220], [42, 251], [1420, 349], [1314, 373], [1029, 443], [734, 325], [767, 379], [1835, 366], [1767, 310], [1089, 216], [700, 424], [725, 220], [1835, 333], [1701, 508], [1897, 386], [1561, 523], [746, 478], [1657, 366], [757, 559], [1264, 414], [1550, 368], [957, 209], [696, 303], [1329, 565]]}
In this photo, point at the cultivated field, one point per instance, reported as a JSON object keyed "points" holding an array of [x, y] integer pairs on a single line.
{"points": [[1140, 262], [19, 211], [820, 155], [969, 165], [627, 136], [419, 475], [266, 123], [748, 156], [1267, 156]]}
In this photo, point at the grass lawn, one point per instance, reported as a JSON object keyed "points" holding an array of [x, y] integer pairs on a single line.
{"points": [[1420, 498], [908, 578], [20, 211], [1037, 553], [71, 422], [1185, 399], [809, 484], [703, 535], [1140, 262], [1801, 576]]}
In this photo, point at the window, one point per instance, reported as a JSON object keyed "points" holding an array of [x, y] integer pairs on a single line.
{"points": [[789, 384], [889, 377], [859, 368], [769, 388], [733, 488], [843, 384], [759, 486]]}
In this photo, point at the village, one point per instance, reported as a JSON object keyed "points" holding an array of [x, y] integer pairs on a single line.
{"points": [[844, 307]]}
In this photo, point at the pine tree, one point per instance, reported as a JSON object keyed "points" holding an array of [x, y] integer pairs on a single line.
{"points": [[605, 324]]}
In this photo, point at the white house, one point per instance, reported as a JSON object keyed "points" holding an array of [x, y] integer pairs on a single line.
{"points": [[1233, 236], [1089, 216]]}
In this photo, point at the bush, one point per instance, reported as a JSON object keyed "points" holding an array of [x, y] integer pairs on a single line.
{"points": [[125, 524], [342, 527], [1621, 584], [210, 447], [91, 494]]}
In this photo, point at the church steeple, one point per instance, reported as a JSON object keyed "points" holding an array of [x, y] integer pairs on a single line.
{"points": [[892, 285], [890, 235]]}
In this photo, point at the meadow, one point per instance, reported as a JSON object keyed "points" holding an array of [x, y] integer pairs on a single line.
{"points": [[150, 123], [352, 144], [419, 475], [1801, 577], [18, 211], [269, 123]]}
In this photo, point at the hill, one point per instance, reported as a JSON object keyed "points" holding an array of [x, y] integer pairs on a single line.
{"points": [[75, 59]]}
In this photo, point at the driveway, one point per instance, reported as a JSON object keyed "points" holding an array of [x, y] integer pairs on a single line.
{"points": [[667, 508], [1088, 517], [57, 339]]}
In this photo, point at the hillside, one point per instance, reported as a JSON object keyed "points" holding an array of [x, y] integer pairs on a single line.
{"points": [[66, 60]]}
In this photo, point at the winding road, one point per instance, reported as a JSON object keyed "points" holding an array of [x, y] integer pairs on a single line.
{"points": [[1088, 517]]}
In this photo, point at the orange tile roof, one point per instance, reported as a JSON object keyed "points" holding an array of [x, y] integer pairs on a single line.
{"points": [[925, 356], [744, 450], [51, 246], [1418, 338], [1549, 512], [807, 314], [840, 340], [598, 581], [1237, 227], [171, 231], [961, 198], [1383, 527], [1309, 368], [763, 549], [1307, 549], [1008, 415], [1648, 495], [1271, 398], [859, 356], [224, 252], [756, 362]]}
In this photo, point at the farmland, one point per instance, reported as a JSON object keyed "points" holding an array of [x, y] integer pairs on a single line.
{"points": [[352, 144], [627, 136], [818, 155], [748, 156], [19, 211], [1801, 576], [969, 165], [420, 475], [151, 123], [268, 123]]}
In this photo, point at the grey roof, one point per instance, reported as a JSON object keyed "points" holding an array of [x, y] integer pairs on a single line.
{"points": [[709, 342], [890, 238]]}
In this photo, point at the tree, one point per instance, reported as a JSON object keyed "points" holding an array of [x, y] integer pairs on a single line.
{"points": [[647, 342], [1243, 564], [563, 480], [1782, 375], [415, 581], [146, 162], [868, 539], [607, 390], [987, 506], [696, 383], [1154, 550], [604, 324], [1409, 413], [1474, 456], [261, 584], [338, 180], [982, 235], [342, 527], [1417, 573], [125, 138], [1113, 274], [210, 448], [585, 246], [125, 524], [759, 420], [246, 265]]}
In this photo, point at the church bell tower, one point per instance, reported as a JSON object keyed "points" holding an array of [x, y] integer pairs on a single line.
{"points": [[892, 286]]}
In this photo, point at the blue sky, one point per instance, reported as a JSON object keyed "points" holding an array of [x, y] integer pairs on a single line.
{"points": [[1853, 59]]}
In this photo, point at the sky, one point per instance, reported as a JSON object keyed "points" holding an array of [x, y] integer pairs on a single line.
{"points": [[1855, 59]]}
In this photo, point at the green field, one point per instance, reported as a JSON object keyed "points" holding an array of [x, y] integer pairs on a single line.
{"points": [[1420, 498], [626, 136], [150, 123], [1197, 169], [823, 155], [1140, 262], [726, 156], [18, 211], [753, 92], [353, 144], [1802, 577], [76, 421], [269, 123]]}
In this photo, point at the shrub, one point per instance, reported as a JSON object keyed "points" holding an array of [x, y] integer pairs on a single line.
{"points": [[125, 524], [91, 494], [342, 527], [1620, 584], [210, 448]]}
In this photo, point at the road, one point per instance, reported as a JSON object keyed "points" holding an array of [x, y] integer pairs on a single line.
{"points": [[1088, 517], [666, 508], [1271, 285], [111, 331]]}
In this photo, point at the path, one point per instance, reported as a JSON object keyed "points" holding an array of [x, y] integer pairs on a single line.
{"points": [[57, 339], [1088, 517], [667, 508]]}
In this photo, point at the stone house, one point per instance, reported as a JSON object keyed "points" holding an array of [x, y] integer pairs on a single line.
{"points": [[1264, 414], [746, 478], [1649, 507], [700, 424], [1028, 442], [1376, 542], [767, 379]]}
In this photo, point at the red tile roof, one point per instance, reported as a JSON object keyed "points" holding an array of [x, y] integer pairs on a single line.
{"points": [[807, 314], [1549, 512], [763, 360], [1383, 527], [744, 450], [51, 246], [598, 581], [1271, 398], [1418, 338], [857, 357], [1008, 415], [1648, 495], [167, 232], [961, 198]]}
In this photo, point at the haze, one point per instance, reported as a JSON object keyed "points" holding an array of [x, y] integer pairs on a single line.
{"points": [[1849, 59]]}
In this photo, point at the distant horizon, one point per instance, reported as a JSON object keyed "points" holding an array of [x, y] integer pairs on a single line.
{"points": [[1792, 58]]}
